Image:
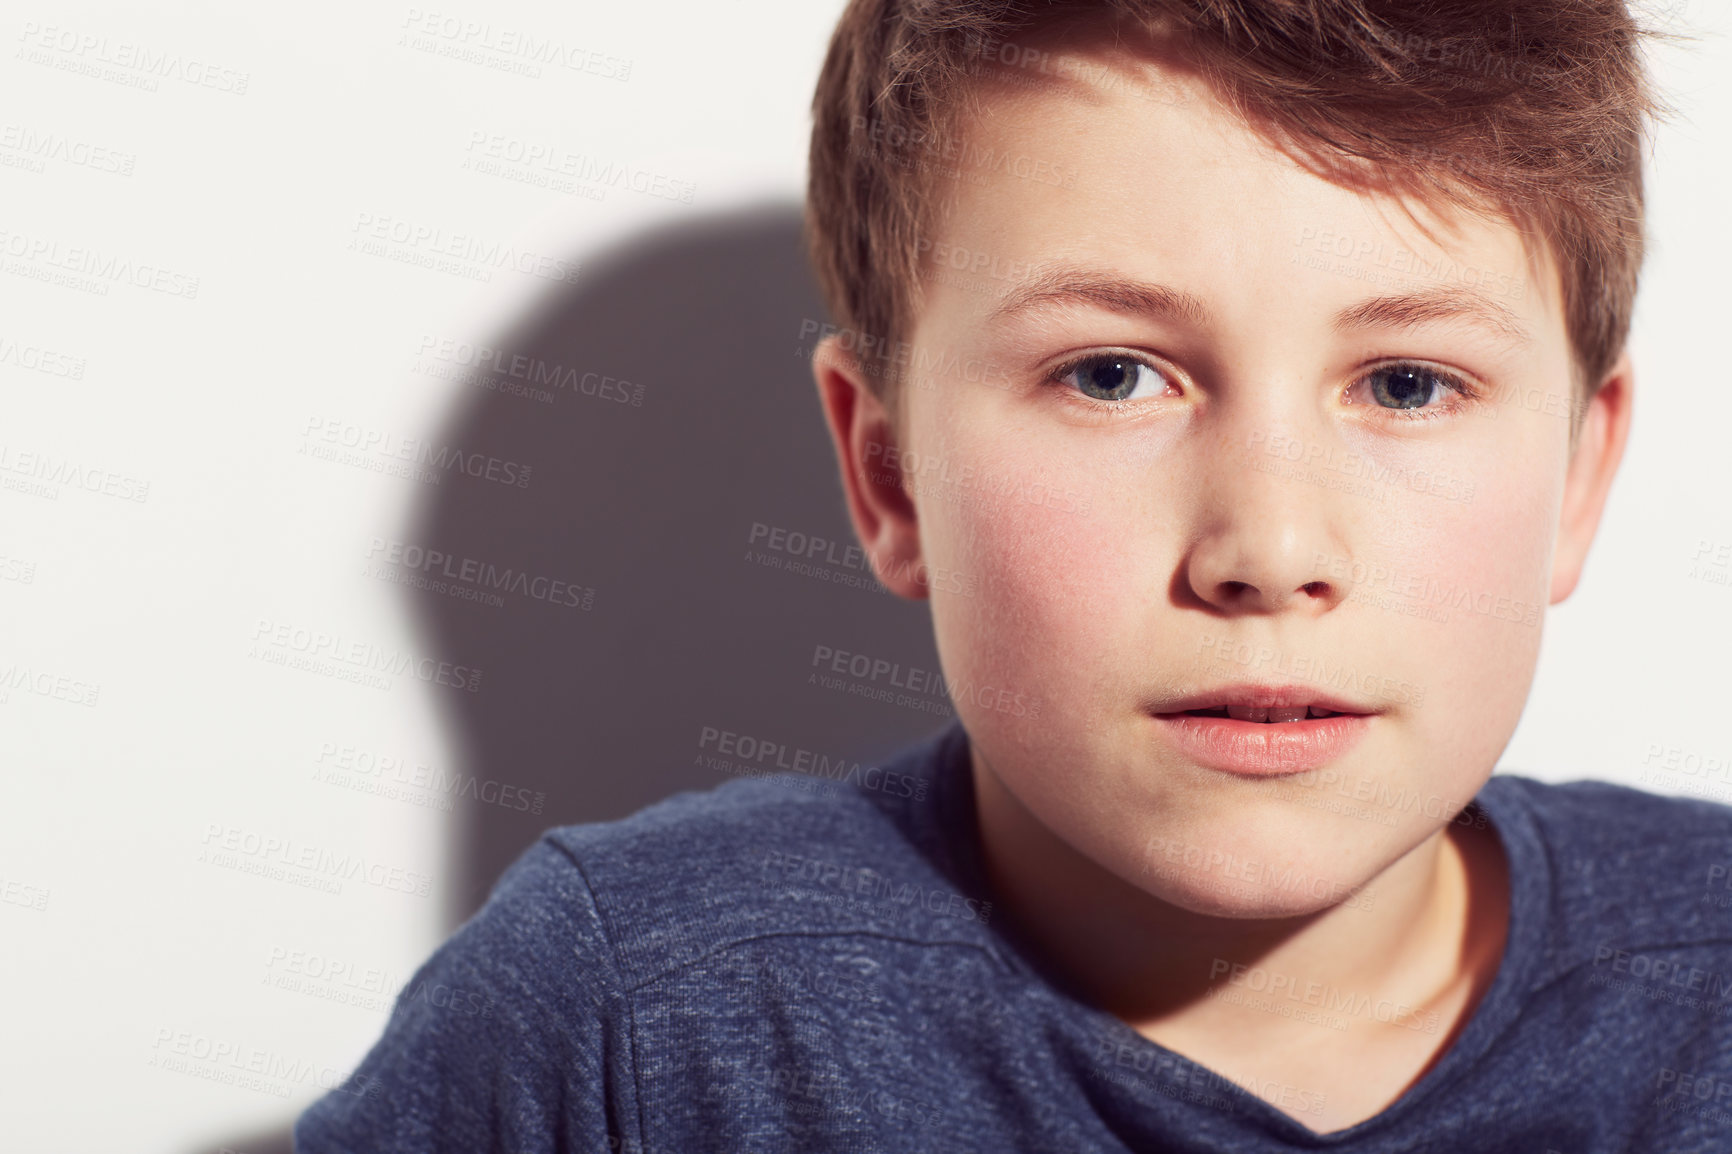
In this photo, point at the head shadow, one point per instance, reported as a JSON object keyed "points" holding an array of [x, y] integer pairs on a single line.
{"points": [[683, 491]]}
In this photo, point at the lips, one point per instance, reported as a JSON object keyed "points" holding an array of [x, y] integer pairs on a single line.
{"points": [[1262, 730], [1250, 702]]}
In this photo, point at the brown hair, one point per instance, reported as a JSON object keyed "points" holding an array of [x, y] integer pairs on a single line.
{"points": [[1536, 108]]}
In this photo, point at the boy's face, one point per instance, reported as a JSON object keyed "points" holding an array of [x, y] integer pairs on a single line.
{"points": [[1160, 452]]}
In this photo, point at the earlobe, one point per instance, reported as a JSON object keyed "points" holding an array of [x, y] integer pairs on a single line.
{"points": [[868, 456], [1593, 463]]}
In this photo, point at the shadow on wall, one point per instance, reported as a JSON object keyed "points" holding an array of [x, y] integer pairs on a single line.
{"points": [[683, 514], [680, 559]]}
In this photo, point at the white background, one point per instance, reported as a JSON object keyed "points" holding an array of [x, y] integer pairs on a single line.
{"points": [[107, 808]]}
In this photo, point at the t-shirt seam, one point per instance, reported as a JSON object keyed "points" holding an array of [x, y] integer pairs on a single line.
{"points": [[1651, 849], [735, 943], [617, 982]]}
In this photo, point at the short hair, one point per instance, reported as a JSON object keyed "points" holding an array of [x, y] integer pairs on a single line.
{"points": [[1537, 109]]}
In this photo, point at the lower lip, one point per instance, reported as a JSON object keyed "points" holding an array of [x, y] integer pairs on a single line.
{"points": [[1261, 749]]}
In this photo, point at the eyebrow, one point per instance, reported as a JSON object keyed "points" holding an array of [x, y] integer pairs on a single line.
{"points": [[1064, 286], [1070, 286], [1440, 303]]}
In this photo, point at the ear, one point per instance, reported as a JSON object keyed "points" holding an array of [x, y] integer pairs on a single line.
{"points": [[870, 458], [1593, 462]]}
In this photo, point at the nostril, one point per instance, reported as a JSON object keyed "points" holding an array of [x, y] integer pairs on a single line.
{"points": [[1316, 588]]}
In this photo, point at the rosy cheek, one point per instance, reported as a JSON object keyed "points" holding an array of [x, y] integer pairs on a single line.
{"points": [[1059, 570], [1451, 588]]}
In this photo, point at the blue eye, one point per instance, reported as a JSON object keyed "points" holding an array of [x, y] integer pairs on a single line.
{"points": [[1411, 386], [1110, 376]]}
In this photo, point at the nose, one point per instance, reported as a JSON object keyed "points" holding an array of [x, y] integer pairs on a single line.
{"points": [[1266, 528]]}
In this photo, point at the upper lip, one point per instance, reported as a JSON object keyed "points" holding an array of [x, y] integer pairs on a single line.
{"points": [[1260, 696]]}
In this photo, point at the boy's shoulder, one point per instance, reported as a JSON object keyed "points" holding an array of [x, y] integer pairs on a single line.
{"points": [[1629, 869], [703, 871]]}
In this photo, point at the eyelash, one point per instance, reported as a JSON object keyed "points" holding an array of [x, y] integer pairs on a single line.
{"points": [[1091, 406], [1465, 392]]}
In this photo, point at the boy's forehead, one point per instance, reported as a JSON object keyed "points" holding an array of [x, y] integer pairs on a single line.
{"points": [[1081, 130]]}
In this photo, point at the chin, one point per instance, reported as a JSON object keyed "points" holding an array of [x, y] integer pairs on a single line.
{"points": [[1244, 882], [1247, 902]]}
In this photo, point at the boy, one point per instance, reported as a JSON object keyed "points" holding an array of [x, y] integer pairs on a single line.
{"points": [[1258, 365]]}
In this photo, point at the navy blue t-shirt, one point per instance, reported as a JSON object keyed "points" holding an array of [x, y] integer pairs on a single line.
{"points": [[787, 964]]}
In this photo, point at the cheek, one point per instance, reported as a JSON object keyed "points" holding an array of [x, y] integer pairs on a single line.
{"points": [[1457, 590], [1061, 573], [1469, 554]]}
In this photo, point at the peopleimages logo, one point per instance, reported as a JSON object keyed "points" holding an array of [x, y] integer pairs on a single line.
{"points": [[802, 549], [87, 51], [1314, 669], [414, 243], [346, 443], [1665, 971], [762, 756], [1166, 857], [541, 162], [35, 148], [42, 473], [479, 40], [283, 643], [395, 778], [366, 987], [1327, 998], [41, 360], [872, 887], [540, 377], [483, 577], [314, 866], [923, 687], [251, 1067], [21, 678], [43, 253]]}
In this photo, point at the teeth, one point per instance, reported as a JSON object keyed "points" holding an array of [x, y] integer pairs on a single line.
{"points": [[1271, 716]]}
